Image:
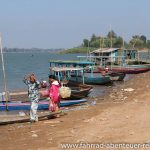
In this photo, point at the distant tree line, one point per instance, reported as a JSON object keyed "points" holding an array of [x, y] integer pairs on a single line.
{"points": [[32, 50], [115, 41]]}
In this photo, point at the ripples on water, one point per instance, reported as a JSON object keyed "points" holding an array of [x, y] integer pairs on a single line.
{"points": [[17, 65]]}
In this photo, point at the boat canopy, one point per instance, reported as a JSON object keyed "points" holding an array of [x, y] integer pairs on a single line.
{"points": [[62, 69], [71, 62], [62, 72]]}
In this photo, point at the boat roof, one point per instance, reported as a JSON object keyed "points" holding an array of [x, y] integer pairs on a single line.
{"points": [[61, 69], [105, 50], [109, 50], [73, 62]]}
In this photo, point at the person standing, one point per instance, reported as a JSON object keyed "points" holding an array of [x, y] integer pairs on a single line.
{"points": [[54, 94], [33, 94]]}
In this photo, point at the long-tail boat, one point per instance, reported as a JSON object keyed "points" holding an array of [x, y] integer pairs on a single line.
{"points": [[128, 69]]}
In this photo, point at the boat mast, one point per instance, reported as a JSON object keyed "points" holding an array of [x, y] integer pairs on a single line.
{"points": [[100, 53], [4, 75], [122, 53], [88, 50], [111, 45]]}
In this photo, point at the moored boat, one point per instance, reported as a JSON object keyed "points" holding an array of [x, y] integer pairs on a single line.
{"points": [[128, 69], [78, 91], [95, 79], [43, 105], [78, 71]]}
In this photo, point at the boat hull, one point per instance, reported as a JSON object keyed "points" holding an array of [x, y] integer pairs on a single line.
{"points": [[78, 91], [98, 80], [130, 69], [44, 105]]}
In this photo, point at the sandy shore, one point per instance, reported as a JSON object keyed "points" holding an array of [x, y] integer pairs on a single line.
{"points": [[121, 117]]}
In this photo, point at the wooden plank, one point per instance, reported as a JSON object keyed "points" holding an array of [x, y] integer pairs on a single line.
{"points": [[25, 119], [18, 93]]}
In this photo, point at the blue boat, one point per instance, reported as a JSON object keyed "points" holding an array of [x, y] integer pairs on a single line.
{"points": [[78, 71], [94, 79], [43, 105]]}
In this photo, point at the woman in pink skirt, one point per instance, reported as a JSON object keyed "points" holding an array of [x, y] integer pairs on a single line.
{"points": [[54, 94]]}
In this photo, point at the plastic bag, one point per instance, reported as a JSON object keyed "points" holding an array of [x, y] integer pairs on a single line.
{"points": [[65, 92]]}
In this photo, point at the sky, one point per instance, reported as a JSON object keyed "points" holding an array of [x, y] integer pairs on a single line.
{"points": [[65, 23]]}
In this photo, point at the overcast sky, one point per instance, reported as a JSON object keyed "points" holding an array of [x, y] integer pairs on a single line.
{"points": [[65, 23]]}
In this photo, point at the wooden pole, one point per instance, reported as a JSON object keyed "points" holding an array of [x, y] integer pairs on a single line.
{"points": [[83, 77], [111, 45], [4, 75], [148, 55]]}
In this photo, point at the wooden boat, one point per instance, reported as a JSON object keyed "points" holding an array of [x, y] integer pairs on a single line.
{"points": [[114, 76], [78, 74], [128, 69], [78, 91], [95, 79], [43, 105]]}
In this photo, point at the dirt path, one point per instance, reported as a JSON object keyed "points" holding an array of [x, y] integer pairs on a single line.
{"points": [[122, 117]]}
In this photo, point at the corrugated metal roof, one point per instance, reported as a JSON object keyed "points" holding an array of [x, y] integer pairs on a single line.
{"points": [[105, 50]]}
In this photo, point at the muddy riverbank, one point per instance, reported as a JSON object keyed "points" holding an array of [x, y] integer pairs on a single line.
{"points": [[121, 116]]}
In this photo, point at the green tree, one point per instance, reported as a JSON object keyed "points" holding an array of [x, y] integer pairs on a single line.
{"points": [[85, 42], [118, 42], [136, 37], [106, 43], [111, 34], [148, 44], [95, 43], [93, 38], [136, 42], [143, 38]]}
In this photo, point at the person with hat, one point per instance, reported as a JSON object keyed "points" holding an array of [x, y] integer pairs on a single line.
{"points": [[33, 94], [54, 94]]}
